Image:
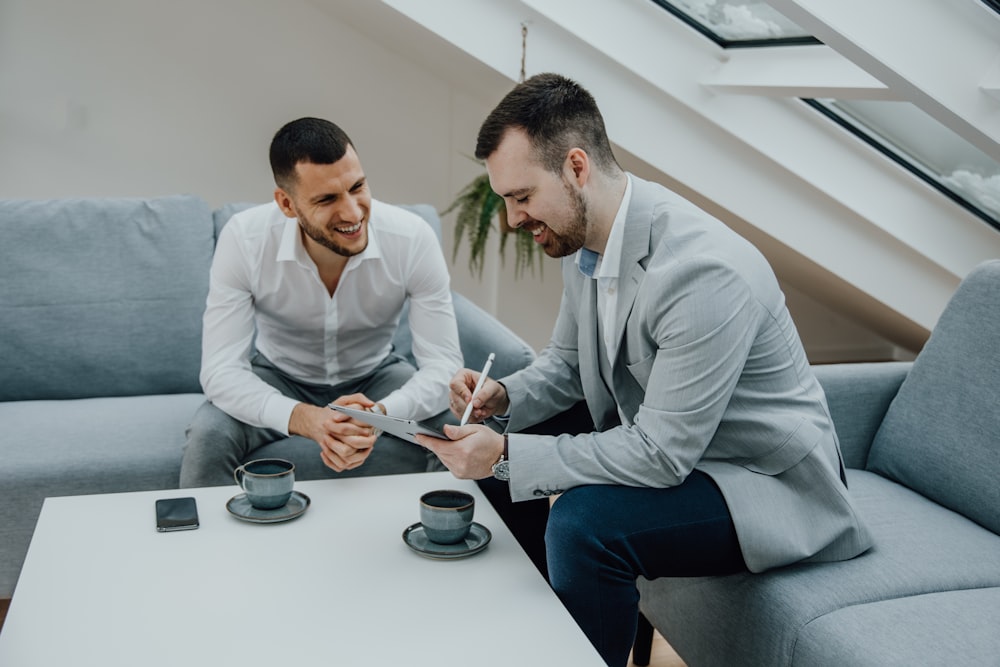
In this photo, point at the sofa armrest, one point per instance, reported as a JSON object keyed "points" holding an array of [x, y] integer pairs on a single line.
{"points": [[859, 396], [479, 333]]}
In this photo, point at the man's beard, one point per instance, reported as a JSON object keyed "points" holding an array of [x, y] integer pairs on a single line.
{"points": [[319, 236], [573, 238]]}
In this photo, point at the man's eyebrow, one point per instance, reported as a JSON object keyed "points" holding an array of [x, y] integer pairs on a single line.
{"points": [[516, 193]]}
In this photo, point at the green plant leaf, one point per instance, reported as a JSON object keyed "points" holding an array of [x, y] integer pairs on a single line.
{"points": [[478, 206]]}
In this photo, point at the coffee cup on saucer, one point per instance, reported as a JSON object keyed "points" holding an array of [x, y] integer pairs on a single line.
{"points": [[267, 482], [446, 515]]}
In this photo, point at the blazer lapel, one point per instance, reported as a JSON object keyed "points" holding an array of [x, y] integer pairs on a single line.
{"points": [[635, 251]]}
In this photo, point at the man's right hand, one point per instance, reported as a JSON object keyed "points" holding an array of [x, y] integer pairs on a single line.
{"points": [[491, 399], [344, 443]]}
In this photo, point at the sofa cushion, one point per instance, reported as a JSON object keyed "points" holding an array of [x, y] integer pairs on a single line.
{"points": [[941, 434], [920, 547], [952, 627], [102, 297]]}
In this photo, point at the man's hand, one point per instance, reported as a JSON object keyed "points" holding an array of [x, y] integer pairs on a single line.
{"points": [[471, 452], [344, 442], [491, 399]]}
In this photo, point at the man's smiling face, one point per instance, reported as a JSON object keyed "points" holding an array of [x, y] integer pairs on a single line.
{"points": [[546, 204], [332, 203]]}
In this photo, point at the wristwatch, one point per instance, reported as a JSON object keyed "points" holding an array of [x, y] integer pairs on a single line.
{"points": [[501, 469]]}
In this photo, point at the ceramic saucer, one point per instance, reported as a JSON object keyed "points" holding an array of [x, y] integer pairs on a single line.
{"points": [[477, 539], [241, 508]]}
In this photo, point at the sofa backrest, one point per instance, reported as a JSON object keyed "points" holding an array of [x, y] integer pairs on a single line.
{"points": [[102, 297], [941, 434]]}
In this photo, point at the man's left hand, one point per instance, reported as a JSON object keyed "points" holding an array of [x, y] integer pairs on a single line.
{"points": [[471, 452]]}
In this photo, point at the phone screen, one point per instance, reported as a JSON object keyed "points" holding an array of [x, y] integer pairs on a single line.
{"points": [[176, 514]]}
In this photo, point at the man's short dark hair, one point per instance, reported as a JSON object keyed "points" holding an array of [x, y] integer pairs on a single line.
{"points": [[305, 140], [557, 114]]}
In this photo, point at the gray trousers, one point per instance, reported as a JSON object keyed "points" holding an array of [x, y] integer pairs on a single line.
{"points": [[216, 443]]}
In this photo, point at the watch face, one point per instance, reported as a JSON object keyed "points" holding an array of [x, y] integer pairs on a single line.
{"points": [[501, 470]]}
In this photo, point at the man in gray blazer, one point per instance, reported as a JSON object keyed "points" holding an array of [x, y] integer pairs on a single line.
{"points": [[714, 451]]}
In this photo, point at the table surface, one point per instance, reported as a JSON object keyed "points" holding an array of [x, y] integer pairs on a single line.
{"points": [[337, 585]]}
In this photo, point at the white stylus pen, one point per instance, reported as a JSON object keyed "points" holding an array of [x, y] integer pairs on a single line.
{"points": [[479, 385]]}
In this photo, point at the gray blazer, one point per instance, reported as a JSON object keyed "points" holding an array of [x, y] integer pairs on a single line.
{"points": [[710, 374]]}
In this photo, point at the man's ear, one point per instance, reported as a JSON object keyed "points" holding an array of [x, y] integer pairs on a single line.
{"points": [[284, 202], [578, 166]]}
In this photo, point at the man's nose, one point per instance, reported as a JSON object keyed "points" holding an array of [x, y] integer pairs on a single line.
{"points": [[516, 217], [351, 210]]}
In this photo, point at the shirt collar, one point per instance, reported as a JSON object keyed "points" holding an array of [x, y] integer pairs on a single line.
{"points": [[594, 265], [291, 247]]}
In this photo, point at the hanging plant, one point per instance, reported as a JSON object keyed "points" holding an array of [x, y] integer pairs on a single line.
{"points": [[478, 206]]}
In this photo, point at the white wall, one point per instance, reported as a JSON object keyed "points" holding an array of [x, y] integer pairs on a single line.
{"points": [[106, 97], [144, 98], [147, 98]]}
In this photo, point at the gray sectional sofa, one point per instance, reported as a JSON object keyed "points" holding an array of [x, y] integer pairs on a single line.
{"points": [[100, 343], [922, 444]]}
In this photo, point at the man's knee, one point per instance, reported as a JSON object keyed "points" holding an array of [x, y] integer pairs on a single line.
{"points": [[214, 444], [570, 527], [210, 424]]}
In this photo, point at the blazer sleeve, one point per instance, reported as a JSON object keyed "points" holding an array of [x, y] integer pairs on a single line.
{"points": [[685, 346], [551, 383]]}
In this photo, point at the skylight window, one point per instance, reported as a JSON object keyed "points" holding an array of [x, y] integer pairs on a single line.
{"points": [[925, 147], [993, 4], [738, 22]]}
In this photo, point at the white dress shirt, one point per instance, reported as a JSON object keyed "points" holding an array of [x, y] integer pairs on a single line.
{"points": [[264, 283]]}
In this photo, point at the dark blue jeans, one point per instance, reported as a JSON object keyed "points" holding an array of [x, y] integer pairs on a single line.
{"points": [[600, 538], [596, 540]]}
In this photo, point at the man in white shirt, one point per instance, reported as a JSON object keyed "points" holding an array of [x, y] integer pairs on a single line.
{"points": [[305, 296]]}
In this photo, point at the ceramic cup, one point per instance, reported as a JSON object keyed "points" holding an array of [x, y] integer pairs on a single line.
{"points": [[446, 515], [268, 482]]}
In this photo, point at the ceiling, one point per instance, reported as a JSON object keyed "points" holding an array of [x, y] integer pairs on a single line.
{"points": [[727, 127]]}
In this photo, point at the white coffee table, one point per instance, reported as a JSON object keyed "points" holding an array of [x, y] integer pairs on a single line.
{"points": [[336, 586]]}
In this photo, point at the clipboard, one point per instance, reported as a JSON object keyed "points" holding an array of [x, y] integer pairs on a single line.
{"points": [[405, 429]]}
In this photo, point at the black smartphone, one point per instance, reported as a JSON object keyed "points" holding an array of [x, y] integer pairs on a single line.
{"points": [[176, 514]]}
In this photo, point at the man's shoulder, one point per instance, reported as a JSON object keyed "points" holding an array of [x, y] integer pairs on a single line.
{"points": [[257, 218], [399, 221], [255, 228]]}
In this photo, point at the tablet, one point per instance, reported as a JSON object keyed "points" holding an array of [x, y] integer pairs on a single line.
{"points": [[405, 429]]}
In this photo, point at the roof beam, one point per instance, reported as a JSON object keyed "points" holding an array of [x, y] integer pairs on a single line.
{"points": [[795, 71], [935, 53], [991, 82]]}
